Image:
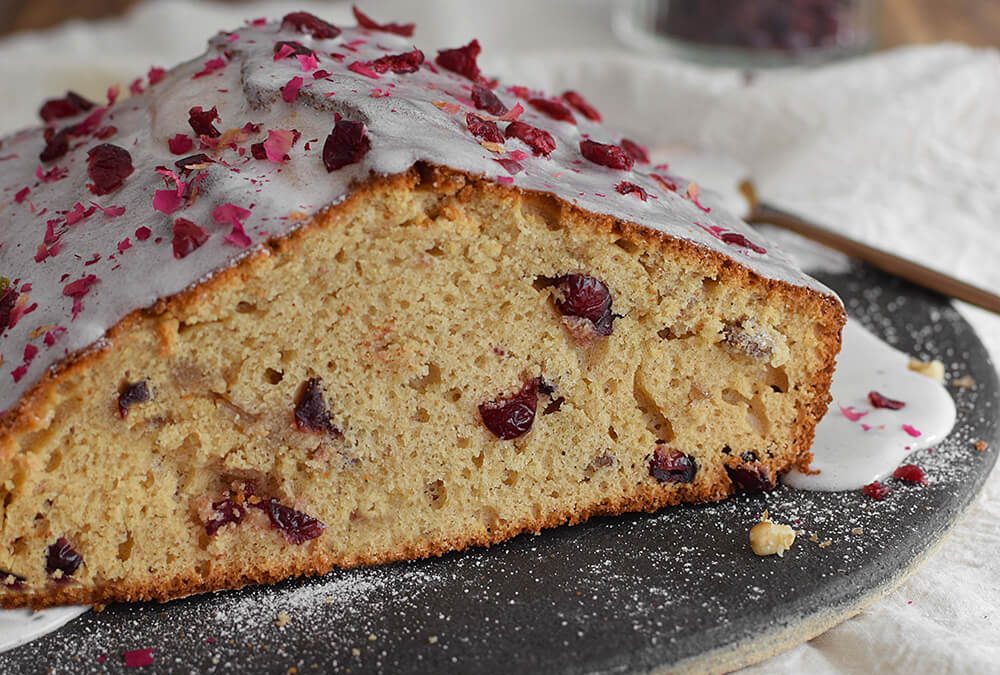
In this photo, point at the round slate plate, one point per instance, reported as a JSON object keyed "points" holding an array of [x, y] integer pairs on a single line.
{"points": [[676, 590]]}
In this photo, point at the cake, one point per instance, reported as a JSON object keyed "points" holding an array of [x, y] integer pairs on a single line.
{"points": [[315, 300]]}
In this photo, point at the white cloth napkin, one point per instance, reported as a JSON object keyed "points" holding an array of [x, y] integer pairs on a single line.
{"points": [[900, 150]]}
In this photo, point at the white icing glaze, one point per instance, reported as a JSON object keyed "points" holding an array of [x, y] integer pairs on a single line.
{"points": [[403, 124], [851, 451], [20, 626]]}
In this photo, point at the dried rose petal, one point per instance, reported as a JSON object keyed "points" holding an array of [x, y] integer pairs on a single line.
{"points": [[484, 99], [484, 129], [539, 140], [56, 145], [71, 105], [62, 557], [290, 91], [910, 473], [304, 22], [287, 48], [627, 188], [138, 658], [606, 154], [672, 466], [311, 411], [224, 512], [876, 491], [511, 417], [202, 121], [588, 298], [553, 109], [193, 162], [461, 60], [404, 29], [347, 144], [187, 236], [180, 144], [581, 105], [130, 394], [108, 166], [737, 239], [407, 62], [636, 152], [666, 182], [297, 527], [879, 401]]}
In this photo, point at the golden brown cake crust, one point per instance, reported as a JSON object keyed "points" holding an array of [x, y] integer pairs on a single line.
{"points": [[644, 497]]}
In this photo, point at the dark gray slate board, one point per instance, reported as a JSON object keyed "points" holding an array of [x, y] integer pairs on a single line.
{"points": [[676, 590]]}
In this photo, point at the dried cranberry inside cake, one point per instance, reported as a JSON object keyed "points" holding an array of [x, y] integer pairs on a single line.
{"points": [[511, 417], [62, 560], [586, 297], [672, 466]]}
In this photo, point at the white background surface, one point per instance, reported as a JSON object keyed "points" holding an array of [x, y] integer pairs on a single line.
{"points": [[901, 150]]}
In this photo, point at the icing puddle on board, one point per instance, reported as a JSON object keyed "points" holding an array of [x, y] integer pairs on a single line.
{"points": [[856, 443]]}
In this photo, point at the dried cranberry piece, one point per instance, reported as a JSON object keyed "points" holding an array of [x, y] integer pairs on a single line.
{"points": [[635, 151], [511, 417], [202, 121], [581, 105], [539, 140], [484, 99], [627, 188], [295, 48], [876, 491], [606, 154], [304, 22], [224, 511], [62, 557], [672, 466], [130, 394], [461, 60], [193, 162], [588, 298], [108, 166], [11, 581], [737, 239], [365, 21], [484, 129], [311, 411], [880, 401], [56, 145], [71, 105], [346, 144], [910, 473], [751, 478], [8, 299], [187, 237], [553, 109], [407, 62], [297, 527]]}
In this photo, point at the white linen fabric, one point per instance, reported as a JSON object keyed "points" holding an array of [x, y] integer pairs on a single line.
{"points": [[899, 149]]}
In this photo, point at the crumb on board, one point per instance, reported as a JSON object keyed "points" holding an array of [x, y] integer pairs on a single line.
{"points": [[282, 619], [932, 369], [767, 538], [964, 382], [979, 444]]}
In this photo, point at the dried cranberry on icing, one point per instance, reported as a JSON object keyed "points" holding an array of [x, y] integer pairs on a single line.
{"points": [[365, 21], [304, 22], [346, 144], [108, 166], [292, 48], [62, 557], [484, 129], [187, 237], [581, 105], [672, 466], [553, 109], [606, 154], [539, 140], [627, 188], [461, 60], [876, 490], [511, 417], [635, 151], [56, 145], [880, 401], [224, 512], [484, 99], [202, 121], [737, 239], [130, 394], [750, 478], [311, 411], [8, 299], [588, 298], [297, 527], [71, 105], [407, 62], [910, 473]]}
